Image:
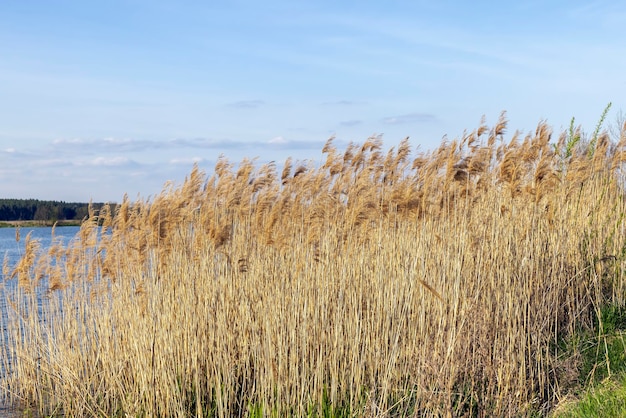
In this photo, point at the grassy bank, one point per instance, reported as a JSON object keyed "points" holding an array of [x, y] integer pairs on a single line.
{"points": [[29, 224], [380, 283], [601, 371]]}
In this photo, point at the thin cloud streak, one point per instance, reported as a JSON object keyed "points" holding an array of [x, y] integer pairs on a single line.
{"points": [[109, 153], [132, 145], [349, 123], [111, 162], [128, 145], [409, 118], [187, 161]]}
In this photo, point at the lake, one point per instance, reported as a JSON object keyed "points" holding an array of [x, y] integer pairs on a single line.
{"points": [[13, 250]]}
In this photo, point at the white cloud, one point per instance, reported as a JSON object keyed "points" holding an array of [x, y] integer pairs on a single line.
{"points": [[278, 140], [187, 161], [352, 122], [49, 162], [409, 118], [110, 162]]}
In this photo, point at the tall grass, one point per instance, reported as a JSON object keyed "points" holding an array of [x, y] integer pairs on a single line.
{"points": [[379, 283]]}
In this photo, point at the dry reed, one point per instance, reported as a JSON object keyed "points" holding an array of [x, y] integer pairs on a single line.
{"points": [[377, 283]]}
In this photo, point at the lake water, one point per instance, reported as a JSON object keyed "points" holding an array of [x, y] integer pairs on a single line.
{"points": [[13, 250]]}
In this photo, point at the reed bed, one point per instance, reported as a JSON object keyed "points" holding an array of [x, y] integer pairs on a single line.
{"points": [[376, 283]]}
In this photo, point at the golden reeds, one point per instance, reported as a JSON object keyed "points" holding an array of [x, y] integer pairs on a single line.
{"points": [[376, 283]]}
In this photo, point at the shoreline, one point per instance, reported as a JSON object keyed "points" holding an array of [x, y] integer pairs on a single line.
{"points": [[33, 223]]}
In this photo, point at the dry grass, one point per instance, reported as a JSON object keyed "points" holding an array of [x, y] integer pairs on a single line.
{"points": [[377, 284]]}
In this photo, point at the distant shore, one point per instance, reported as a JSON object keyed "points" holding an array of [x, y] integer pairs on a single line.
{"points": [[31, 223]]}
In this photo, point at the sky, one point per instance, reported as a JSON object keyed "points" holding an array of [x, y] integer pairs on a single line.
{"points": [[102, 99]]}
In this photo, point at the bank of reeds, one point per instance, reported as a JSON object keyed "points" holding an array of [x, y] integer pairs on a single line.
{"points": [[377, 283]]}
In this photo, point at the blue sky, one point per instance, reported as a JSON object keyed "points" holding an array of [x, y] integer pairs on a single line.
{"points": [[98, 99]]}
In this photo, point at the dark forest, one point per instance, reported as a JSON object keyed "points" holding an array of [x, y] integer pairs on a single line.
{"points": [[44, 210]]}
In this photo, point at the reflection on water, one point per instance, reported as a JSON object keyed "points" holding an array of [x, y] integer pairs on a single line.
{"points": [[12, 250]]}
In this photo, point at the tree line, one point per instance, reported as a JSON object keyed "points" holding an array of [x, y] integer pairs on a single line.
{"points": [[43, 210]]}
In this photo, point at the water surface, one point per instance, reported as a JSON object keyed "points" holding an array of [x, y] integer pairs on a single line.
{"points": [[12, 250]]}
